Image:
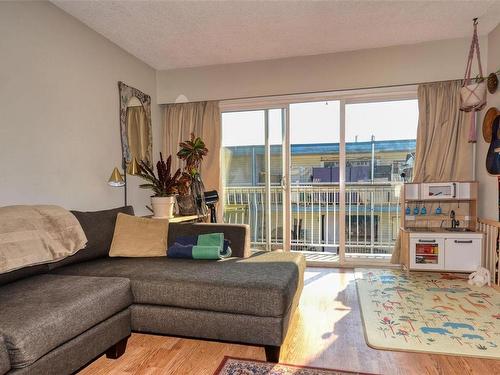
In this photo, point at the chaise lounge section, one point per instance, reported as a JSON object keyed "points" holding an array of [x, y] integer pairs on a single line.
{"points": [[247, 300], [88, 303]]}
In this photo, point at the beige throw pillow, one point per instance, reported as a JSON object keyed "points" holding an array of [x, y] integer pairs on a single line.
{"points": [[139, 237]]}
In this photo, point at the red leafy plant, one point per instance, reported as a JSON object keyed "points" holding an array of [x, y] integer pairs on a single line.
{"points": [[185, 181], [165, 184], [192, 153]]}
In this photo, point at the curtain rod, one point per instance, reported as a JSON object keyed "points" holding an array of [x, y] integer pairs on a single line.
{"points": [[317, 92]]}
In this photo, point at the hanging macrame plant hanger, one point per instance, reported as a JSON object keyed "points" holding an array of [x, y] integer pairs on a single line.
{"points": [[473, 91]]}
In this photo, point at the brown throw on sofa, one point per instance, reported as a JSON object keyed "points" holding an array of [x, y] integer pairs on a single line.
{"points": [[31, 235]]}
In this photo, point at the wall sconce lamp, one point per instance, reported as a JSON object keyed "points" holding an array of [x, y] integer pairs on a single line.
{"points": [[118, 179]]}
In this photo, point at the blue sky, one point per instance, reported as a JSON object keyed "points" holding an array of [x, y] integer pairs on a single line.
{"points": [[319, 122]]}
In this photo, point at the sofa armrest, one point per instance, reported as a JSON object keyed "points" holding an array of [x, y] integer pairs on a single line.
{"points": [[238, 234]]}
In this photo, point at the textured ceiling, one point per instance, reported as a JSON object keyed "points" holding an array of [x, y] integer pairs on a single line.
{"points": [[179, 34]]}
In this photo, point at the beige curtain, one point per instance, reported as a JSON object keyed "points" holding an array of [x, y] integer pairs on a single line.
{"points": [[202, 119], [443, 152], [138, 133]]}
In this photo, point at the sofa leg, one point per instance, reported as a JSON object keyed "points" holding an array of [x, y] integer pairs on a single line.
{"points": [[272, 353], [117, 350]]}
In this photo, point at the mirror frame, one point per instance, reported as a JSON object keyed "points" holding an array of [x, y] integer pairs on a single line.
{"points": [[126, 93]]}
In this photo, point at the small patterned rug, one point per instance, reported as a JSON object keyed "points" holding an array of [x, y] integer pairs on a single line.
{"points": [[429, 312], [238, 366]]}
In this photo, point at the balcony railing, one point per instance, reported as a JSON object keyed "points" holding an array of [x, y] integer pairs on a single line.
{"points": [[372, 216]]}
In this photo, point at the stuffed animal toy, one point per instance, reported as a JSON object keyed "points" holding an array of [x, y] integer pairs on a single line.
{"points": [[480, 278]]}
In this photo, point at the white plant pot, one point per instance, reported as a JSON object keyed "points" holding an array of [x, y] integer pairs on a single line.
{"points": [[163, 207]]}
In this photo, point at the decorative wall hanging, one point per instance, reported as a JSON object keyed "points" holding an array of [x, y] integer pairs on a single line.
{"points": [[128, 93], [473, 92], [490, 116], [493, 82]]}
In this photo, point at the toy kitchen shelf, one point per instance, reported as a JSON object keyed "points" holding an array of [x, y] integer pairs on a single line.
{"points": [[428, 241]]}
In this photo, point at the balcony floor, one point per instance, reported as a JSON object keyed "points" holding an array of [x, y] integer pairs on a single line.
{"points": [[327, 257], [330, 257]]}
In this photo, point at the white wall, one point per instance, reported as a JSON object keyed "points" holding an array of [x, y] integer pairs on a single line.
{"points": [[488, 185], [425, 62], [59, 110]]}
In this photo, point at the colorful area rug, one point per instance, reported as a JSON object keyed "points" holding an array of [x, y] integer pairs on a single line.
{"points": [[429, 312], [238, 366]]}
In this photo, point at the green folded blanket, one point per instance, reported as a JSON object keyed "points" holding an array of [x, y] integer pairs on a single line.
{"points": [[209, 246], [206, 252], [204, 246]]}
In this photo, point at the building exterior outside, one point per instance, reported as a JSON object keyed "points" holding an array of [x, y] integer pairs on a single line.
{"points": [[373, 181]]}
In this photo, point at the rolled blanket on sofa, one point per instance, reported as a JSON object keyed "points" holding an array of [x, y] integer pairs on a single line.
{"points": [[205, 246]]}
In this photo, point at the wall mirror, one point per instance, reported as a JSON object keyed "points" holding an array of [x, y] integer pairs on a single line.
{"points": [[135, 124]]}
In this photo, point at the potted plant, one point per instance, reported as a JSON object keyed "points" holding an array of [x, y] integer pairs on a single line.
{"points": [[191, 200], [185, 201], [165, 186]]}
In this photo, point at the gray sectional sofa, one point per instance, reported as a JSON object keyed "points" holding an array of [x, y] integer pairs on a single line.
{"points": [[55, 318]]}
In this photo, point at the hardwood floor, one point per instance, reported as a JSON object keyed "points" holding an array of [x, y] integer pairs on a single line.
{"points": [[326, 332]]}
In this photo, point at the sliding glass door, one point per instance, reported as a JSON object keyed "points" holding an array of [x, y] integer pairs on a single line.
{"points": [[380, 141], [252, 168], [314, 178], [320, 177]]}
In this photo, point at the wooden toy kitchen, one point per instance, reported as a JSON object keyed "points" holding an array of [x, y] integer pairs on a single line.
{"points": [[438, 227]]}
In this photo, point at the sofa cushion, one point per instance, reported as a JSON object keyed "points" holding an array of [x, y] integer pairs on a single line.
{"points": [[21, 273], [4, 357], [139, 237], [76, 353], [262, 285], [42, 312], [99, 227]]}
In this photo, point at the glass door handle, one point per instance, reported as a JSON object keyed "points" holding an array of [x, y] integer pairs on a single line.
{"points": [[283, 182]]}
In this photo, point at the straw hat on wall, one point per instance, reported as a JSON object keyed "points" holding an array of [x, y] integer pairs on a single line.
{"points": [[490, 116]]}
